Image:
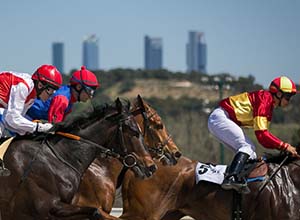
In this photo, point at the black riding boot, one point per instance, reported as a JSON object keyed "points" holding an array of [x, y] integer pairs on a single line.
{"points": [[3, 170], [232, 181]]}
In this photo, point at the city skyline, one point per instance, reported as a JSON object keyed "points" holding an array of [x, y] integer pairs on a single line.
{"points": [[259, 38], [153, 55], [90, 52], [196, 50], [58, 56]]}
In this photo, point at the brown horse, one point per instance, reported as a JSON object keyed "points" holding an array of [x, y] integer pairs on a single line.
{"points": [[98, 186], [46, 175], [172, 193]]}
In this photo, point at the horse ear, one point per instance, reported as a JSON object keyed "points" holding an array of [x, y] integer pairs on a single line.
{"points": [[140, 101], [119, 105], [128, 105]]}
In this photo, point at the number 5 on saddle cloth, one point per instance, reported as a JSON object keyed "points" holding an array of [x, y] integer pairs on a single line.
{"points": [[253, 171]]}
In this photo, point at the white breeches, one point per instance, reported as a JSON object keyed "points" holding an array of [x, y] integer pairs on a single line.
{"points": [[229, 133]]}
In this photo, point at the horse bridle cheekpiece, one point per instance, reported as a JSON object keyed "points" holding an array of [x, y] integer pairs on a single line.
{"points": [[159, 149], [129, 160]]}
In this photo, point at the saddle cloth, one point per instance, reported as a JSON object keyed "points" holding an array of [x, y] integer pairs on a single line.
{"points": [[4, 146], [215, 173], [209, 172]]}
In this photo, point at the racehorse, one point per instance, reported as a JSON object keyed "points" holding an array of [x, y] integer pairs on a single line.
{"points": [[104, 176], [172, 193], [46, 174]]}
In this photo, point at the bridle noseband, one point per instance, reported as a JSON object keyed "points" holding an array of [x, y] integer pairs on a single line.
{"points": [[159, 149]]}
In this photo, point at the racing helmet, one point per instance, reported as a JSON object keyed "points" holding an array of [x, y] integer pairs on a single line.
{"points": [[49, 76]]}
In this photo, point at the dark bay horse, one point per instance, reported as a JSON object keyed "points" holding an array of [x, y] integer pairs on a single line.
{"points": [[46, 174], [98, 186], [172, 193]]}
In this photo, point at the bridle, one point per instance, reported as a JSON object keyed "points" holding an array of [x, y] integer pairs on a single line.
{"points": [[129, 160], [160, 147]]}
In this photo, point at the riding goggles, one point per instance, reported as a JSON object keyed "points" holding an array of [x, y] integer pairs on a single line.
{"points": [[288, 96], [89, 90]]}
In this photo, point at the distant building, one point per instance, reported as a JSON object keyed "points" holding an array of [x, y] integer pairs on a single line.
{"points": [[196, 52], [153, 53], [58, 56], [91, 52]]}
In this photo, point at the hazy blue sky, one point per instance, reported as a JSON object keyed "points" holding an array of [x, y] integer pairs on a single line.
{"points": [[258, 37]]}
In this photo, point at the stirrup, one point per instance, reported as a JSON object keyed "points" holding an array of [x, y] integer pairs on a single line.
{"points": [[239, 186]]}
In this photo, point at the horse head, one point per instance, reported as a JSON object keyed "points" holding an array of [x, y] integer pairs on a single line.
{"points": [[135, 156], [160, 143], [116, 134]]}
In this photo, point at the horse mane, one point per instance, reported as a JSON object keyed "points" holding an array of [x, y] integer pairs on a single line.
{"points": [[91, 113]]}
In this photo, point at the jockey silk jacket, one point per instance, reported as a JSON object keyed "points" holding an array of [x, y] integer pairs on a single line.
{"points": [[55, 108], [17, 94], [253, 109]]}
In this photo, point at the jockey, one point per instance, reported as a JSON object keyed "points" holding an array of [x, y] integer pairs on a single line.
{"points": [[83, 84], [250, 109], [17, 93]]}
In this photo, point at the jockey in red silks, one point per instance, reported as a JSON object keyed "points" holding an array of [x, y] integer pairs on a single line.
{"points": [[83, 84], [17, 94], [250, 109]]}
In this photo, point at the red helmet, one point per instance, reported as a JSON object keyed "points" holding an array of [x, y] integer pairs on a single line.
{"points": [[284, 85], [48, 75], [85, 78]]}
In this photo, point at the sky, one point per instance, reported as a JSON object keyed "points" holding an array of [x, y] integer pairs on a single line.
{"points": [[257, 37]]}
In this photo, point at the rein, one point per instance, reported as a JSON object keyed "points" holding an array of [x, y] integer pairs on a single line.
{"points": [[129, 160], [261, 188], [103, 150]]}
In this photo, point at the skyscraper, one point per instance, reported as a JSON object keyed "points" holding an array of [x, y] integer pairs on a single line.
{"points": [[153, 53], [58, 56], [90, 52], [196, 52]]}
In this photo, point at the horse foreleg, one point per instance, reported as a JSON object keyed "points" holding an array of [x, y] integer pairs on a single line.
{"points": [[106, 216], [65, 211]]}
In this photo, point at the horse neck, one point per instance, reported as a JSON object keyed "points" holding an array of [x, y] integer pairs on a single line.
{"points": [[75, 154], [78, 154]]}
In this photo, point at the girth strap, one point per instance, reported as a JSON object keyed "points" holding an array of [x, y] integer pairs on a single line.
{"points": [[236, 206]]}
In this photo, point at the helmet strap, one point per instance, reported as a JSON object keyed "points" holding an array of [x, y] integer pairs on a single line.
{"points": [[279, 98], [78, 91], [39, 89]]}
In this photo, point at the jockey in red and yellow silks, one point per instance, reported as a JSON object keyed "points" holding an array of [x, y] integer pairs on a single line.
{"points": [[253, 109], [250, 109]]}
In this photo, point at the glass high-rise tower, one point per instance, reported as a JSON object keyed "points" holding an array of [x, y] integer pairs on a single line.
{"points": [[91, 52], [153, 53], [58, 56], [196, 52]]}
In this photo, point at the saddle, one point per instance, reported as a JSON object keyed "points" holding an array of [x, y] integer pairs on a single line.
{"points": [[254, 171], [5, 142]]}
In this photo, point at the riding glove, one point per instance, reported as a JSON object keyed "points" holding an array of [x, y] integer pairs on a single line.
{"points": [[43, 127]]}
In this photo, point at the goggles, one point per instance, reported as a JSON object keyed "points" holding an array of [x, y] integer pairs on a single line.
{"points": [[288, 96], [89, 90]]}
